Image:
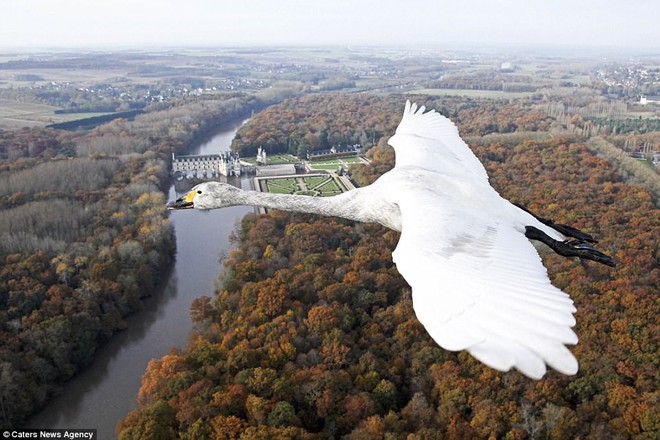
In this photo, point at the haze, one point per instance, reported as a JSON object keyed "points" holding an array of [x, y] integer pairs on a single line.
{"points": [[139, 23]]}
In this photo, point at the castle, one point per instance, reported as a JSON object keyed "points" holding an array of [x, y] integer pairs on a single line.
{"points": [[206, 166]]}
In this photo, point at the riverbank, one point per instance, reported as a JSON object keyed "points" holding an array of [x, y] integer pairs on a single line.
{"points": [[106, 390]]}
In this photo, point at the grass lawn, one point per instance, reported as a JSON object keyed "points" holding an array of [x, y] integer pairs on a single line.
{"points": [[312, 182], [282, 186], [324, 167], [329, 187]]}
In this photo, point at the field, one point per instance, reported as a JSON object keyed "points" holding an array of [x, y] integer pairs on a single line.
{"points": [[21, 114], [312, 185], [493, 94], [15, 114]]}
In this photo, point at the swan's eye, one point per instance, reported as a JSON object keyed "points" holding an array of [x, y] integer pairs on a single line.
{"points": [[199, 191]]}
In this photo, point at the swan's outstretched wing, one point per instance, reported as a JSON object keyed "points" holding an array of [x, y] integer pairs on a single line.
{"points": [[437, 145], [480, 286]]}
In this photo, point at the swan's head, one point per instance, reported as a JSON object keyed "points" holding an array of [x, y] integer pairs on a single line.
{"points": [[207, 195]]}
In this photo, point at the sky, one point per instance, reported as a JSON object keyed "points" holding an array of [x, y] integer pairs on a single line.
{"points": [[617, 24]]}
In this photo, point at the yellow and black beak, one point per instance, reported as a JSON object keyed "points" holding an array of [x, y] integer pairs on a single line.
{"points": [[185, 202]]}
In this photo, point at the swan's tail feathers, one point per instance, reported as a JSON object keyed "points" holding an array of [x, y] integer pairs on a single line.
{"points": [[570, 248], [566, 230]]}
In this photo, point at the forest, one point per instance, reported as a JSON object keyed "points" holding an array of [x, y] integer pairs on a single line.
{"points": [[312, 333], [84, 236]]}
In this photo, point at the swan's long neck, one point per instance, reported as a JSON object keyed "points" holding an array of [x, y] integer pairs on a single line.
{"points": [[287, 202], [351, 205]]}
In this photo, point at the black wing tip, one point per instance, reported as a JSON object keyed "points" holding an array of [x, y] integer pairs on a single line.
{"points": [[570, 248], [566, 230]]}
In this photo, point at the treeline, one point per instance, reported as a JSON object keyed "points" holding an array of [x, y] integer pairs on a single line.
{"points": [[628, 125], [595, 108], [33, 143], [317, 122], [63, 177], [633, 170], [93, 121], [490, 118], [109, 107], [26, 229], [583, 111], [487, 80], [84, 236], [178, 123], [313, 334], [609, 128]]}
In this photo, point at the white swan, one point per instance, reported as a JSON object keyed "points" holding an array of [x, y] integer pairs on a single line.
{"points": [[478, 283]]}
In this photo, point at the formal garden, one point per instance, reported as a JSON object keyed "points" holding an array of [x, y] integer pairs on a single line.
{"points": [[312, 185]]}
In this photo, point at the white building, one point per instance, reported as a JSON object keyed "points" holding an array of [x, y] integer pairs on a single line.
{"points": [[645, 100], [206, 166]]}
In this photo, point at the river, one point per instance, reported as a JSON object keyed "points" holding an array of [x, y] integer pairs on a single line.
{"points": [[106, 391]]}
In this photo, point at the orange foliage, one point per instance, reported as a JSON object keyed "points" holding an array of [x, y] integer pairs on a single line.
{"points": [[332, 332]]}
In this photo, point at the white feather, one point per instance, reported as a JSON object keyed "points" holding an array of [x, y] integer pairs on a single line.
{"points": [[478, 283]]}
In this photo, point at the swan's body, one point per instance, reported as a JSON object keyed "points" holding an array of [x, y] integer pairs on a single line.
{"points": [[478, 283]]}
